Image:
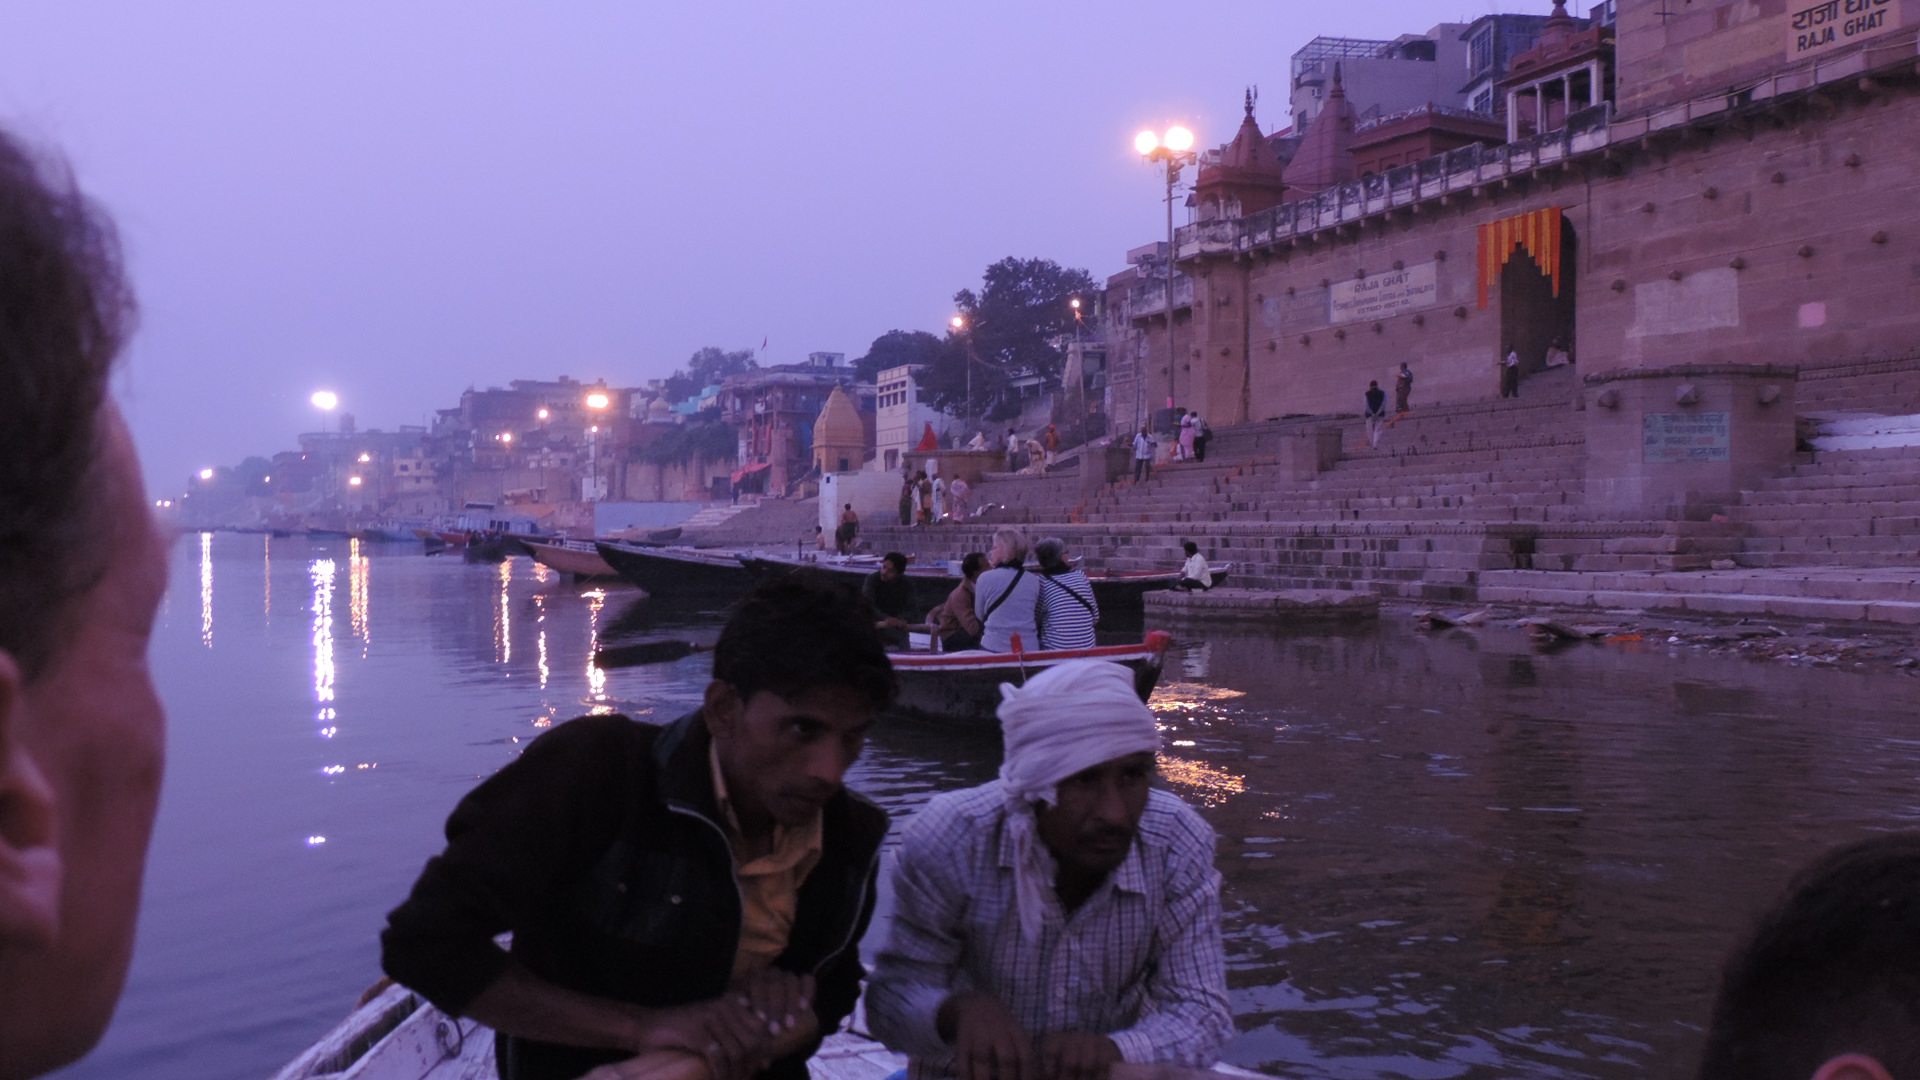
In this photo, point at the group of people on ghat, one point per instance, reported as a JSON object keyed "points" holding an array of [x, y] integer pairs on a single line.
{"points": [[930, 500], [998, 599], [688, 900]]}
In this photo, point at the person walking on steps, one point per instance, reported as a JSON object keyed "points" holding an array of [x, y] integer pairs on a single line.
{"points": [[1402, 387], [1510, 375], [1142, 455], [1376, 413]]}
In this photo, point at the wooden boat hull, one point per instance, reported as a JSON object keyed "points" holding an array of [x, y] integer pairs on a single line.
{"points": [[964, 687], [672, 571], [928, 586], [581, 562]]}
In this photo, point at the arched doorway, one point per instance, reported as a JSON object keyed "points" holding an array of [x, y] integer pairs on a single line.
{"points": [[1531, 256]]}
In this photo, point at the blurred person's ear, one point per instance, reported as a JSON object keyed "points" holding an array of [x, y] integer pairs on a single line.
{"points": [[1852, 1067], [29, 858]]}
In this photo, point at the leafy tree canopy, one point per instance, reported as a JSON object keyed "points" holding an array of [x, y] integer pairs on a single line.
{"points": [[1015, 326], [707, 367], [897, 347]]}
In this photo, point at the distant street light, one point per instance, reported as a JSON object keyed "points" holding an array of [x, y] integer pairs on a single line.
{"points": [[353, 481], [1173, 150], [542, 414], [326, 401], [597, 400], [959, 324], [365, 457], [506, 436], [206, 474]]}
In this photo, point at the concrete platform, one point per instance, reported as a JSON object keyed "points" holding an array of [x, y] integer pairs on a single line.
{"points": [[1841, 594], [1264, 605]]}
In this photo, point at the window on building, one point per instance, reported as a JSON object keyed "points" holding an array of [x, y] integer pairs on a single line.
{"points": [[1483, 101], [1480, 52]]}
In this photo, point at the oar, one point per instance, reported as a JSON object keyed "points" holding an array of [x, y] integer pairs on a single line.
{"points": [[645, 652]]}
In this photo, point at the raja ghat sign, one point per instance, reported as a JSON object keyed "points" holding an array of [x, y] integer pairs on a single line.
{"points": [[1380, 295], [1818, 28]]}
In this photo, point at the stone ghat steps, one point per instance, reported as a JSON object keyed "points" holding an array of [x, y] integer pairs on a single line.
{"points": [[1857, 595], [1838, 508]]}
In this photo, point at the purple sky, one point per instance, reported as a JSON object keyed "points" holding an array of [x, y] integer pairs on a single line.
{"points": [[397, 201]]}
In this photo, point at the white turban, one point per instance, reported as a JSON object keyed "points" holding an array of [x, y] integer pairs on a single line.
{"points": [[1067, 719]]}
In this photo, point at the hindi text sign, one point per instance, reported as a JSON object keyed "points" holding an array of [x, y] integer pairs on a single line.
{"points": [[1674, 438]]}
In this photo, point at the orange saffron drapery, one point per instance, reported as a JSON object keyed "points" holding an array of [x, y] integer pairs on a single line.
{"points": [[1538, 232]]}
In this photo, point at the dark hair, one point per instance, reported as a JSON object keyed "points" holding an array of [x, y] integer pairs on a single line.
{"points": [[1190, 547], [1833, 968], [64, 311], [802, 631], [895, 560], [974, 564]]}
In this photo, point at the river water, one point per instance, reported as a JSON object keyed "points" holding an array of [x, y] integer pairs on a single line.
{"points": [[1444, 855]]}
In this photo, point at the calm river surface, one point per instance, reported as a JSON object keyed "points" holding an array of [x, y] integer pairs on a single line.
{"points": [[1445, 855]]}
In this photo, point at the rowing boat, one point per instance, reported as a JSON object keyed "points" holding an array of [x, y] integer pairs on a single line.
{"points": [[1119, 592], [964, 687], [397, 1036], [678, 571], [577, 557]]}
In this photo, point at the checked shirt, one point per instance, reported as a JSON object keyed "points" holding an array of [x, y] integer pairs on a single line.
{"points": [[1140, 962]]}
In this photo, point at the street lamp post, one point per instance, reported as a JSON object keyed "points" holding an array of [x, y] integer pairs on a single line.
{"points": [[1173, 150], [959, 324], [598, 402]]}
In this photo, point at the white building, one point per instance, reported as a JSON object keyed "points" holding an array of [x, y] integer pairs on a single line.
{"points": [[1380, 77], [900, 418]]}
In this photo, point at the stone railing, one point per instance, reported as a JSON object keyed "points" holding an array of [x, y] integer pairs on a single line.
{"points": [[1465, 169]]}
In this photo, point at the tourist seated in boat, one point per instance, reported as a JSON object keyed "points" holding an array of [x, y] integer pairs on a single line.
{"points": [[1007, 597], [955, 625], [695, 888], [890, 593], [1064, 917], [1068, 610], [1827, 984], [82, 571], [1194, 573]]}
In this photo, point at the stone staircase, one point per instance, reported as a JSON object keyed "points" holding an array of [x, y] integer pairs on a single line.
{"points": [[1837, 508]]}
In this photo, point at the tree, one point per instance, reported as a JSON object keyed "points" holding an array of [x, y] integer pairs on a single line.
{"points": [[898, 347], [1015, 326], [707, 367]]}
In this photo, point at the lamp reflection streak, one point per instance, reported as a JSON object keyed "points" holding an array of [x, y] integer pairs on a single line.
{"points": [[266, 573], [358, 571], [206, 589], [322, 571], [503, 619], [540, 642], [596, 675]]}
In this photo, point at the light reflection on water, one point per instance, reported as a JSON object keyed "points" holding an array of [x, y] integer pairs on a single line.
{"points": [[1443, 855], [206, 589]]}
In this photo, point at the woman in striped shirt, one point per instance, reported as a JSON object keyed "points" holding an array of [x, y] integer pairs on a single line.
{"points": [[1067, 610]]}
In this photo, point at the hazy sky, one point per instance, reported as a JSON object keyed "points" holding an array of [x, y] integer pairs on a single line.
{"points": [[398, 200]]}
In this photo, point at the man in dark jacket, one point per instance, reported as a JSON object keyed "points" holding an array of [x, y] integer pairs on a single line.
{"points": [[609, 850]]}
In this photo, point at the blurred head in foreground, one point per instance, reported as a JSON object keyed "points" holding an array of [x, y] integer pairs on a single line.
{"points": [[1827, 986], [81, 574]]}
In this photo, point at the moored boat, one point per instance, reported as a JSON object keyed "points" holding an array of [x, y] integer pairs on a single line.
{"points": [[577, 557], [678, 571], [1119, 592], [964, 687]]}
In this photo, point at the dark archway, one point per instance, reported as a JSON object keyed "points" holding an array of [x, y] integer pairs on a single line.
{"points": [[1532, 318]]}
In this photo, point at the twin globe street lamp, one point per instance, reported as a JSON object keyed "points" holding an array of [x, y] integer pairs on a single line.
{"points": [[1174, 150]]}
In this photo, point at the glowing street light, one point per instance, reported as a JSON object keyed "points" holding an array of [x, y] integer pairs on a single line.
{"points": [[542, 414], [598, 400], [206, 474], [1173, 149], [506, 436], [353, 481], [325, 400], [365, 457]]}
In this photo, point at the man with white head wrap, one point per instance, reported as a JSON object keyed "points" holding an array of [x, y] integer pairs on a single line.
{"points": [[1063, 917]]}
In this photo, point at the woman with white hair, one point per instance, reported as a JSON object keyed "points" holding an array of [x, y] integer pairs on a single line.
{"points": [[1007, 596], [1068, 610]]}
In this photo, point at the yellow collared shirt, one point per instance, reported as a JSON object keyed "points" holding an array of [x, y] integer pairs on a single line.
{"points": [[769, 883]]}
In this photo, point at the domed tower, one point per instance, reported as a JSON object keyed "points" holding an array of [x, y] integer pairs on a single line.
{"points": [[1325, 157], [839, 437], [1247, 179]]}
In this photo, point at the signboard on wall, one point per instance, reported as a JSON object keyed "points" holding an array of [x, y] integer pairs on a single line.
{"points": [[1677, 438], [1381, 295], [1817, 28]]}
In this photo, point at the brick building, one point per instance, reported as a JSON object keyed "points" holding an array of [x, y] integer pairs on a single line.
{"points": [[1741, 197]]}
